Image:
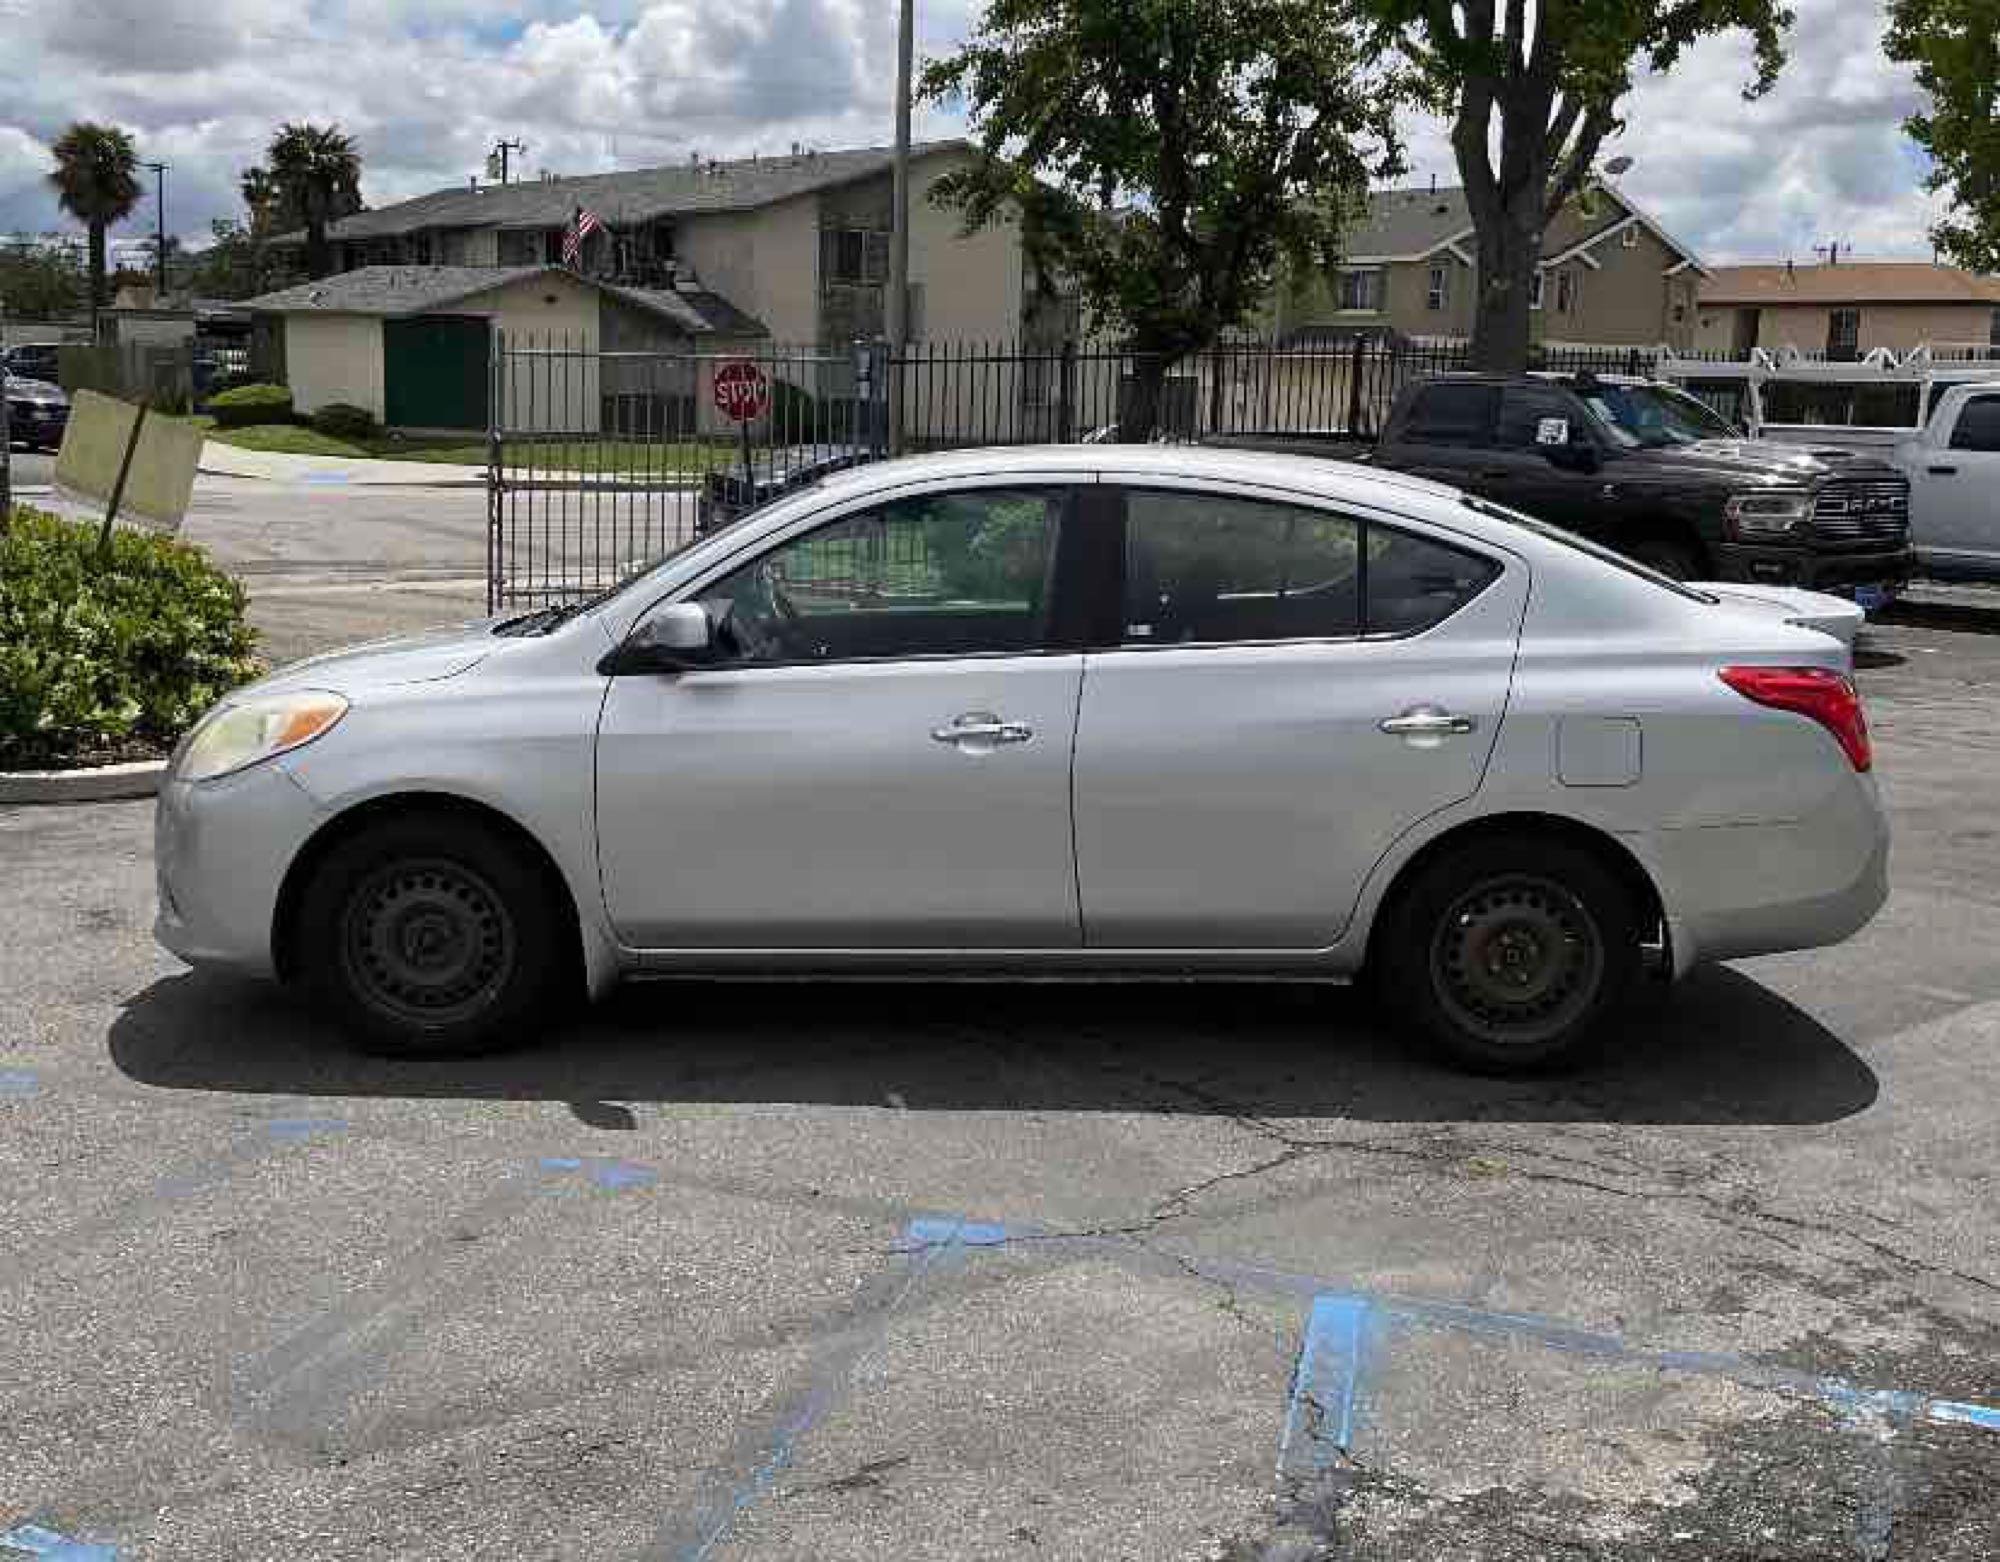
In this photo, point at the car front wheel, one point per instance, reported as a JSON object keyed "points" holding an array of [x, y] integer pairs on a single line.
{"points": [[1509, 956], [432, 936]]}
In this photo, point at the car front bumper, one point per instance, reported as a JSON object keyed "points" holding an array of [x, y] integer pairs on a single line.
{"points": [[26, 428], [1839, 574], [221, 850]]}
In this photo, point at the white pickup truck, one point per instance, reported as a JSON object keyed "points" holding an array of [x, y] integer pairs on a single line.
{"points": [[1953, 463]]}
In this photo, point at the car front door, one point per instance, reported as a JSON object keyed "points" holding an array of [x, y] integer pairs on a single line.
{"points": [[878, 757], [1955, 493], [1292, 688]]}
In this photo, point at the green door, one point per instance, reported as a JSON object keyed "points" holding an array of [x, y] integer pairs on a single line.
{"points": [[434, 372]]}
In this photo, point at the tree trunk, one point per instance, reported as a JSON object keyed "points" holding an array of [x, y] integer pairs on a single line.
{"points": [[317, 263], [99, 289], [1510, 247]]}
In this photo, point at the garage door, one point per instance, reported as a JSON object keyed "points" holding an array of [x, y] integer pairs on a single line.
{"points": [[434, 372]]}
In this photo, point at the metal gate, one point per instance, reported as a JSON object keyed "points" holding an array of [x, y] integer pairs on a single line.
{"points": [[599, 463]]}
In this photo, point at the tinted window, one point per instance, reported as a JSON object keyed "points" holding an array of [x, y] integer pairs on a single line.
{"points": [[939, 575], [1414, 582], [1978, 425], [1206, 568], [1452, 415], [1522, 409]]}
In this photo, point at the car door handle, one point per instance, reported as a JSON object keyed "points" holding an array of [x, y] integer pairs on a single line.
{"points": [[1427, 721], [983, 729], [1942, 471]]}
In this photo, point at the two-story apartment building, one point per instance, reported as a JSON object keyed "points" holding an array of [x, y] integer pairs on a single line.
{"points": [[1847, 309], [1609, 275], [799, 242]]}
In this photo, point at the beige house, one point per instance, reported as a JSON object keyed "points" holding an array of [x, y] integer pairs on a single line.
{"points": [[1609, 276], [1849, 309], [800, 242], [413, 346]]}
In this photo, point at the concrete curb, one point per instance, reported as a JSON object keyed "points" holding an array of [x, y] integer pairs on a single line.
{"points": [[101, 784]]}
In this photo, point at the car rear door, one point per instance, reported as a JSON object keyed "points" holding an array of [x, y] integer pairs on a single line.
{"points": [[881, 760], [1446, 432], [1291, 688]]}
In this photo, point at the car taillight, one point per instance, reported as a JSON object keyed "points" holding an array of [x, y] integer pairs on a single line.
{"points": [[1829, 698]]}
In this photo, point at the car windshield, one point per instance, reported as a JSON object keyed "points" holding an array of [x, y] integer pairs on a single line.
{"points": [[1630, 566], [1651, 417]]}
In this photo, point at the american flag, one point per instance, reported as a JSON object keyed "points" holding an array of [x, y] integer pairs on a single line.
{"points": [[582, 227]]}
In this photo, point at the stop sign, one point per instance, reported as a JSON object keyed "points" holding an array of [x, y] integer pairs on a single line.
{"points": [[741, 392]]}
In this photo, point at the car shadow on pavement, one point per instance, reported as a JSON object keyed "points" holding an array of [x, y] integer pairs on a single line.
{"points": [[1721, 1048]]}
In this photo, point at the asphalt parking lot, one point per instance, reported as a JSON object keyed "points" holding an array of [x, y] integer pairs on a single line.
{"points": [[729, 1271]]}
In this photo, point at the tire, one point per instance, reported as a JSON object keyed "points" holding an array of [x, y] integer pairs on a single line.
{"points": [[431, 935], [1675, 560], [1509, 956]]}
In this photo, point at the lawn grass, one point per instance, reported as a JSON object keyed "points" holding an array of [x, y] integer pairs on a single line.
{"points": [[572, 455]]}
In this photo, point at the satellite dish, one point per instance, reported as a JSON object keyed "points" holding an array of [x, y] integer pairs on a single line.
{"points": [[1617, 166]]}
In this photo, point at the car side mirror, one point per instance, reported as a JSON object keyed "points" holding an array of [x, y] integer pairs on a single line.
{"points": [[671, 638]]}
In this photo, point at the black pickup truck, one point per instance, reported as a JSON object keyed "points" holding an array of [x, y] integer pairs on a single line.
{"points": [[1646, 469]]}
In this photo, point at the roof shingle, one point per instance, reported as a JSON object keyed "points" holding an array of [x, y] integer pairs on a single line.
{"points": [[1849, 282]]}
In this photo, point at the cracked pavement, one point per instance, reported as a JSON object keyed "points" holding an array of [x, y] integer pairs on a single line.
{"points": [[862, 1271]]}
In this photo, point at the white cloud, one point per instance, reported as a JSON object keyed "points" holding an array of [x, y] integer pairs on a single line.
{"points": [[425, 86]]}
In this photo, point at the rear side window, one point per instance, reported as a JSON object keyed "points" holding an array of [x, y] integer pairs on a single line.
{"points": [[1447, 414], [1978, 425], [1213, 569]]}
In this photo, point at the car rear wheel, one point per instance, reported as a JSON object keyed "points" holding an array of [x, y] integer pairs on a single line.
{"points": [[1673, 559], [1509, 956], [432, 936]]}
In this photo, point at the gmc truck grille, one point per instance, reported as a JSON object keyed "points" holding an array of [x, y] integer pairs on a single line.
{"points": [[1863, 512]]}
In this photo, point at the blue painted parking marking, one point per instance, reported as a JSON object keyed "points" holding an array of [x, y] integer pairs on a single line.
{"points": [[294, 1129], [1952, 1412], [19, 1082], [36, 1541], [603, 1171], [1326, 1386]]}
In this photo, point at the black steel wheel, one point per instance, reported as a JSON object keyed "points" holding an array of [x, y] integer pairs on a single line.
{"points": [[1507, 955], [434, 935]]}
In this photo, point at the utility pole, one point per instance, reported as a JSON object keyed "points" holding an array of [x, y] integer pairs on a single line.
{"points": [[898, 321], [160, 238], [6, 434], [498, 157]]}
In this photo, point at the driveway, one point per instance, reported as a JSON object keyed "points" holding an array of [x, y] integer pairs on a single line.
{"points": [[951, 1271]]}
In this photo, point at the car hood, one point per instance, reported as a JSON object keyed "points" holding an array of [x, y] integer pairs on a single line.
{"points": [[1733, 460], [381, 664], [19, 389]]}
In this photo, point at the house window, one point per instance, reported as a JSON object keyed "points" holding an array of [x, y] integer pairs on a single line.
{"points": [[1629, 239], [1535, 279], [857, 256], [1993, 331], [1439, 292], [1361, 290], [1843, 334], [1565, 292]]}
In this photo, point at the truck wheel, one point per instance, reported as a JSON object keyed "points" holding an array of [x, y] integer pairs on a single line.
{"points": [[1508, 956], [1675, 560]]}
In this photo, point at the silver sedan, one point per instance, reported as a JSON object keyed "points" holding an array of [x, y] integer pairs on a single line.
{"points": [[1132, 711]]}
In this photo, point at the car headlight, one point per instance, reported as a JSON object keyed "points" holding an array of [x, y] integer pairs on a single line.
{"points": [[1771, 513], [258, 728]]}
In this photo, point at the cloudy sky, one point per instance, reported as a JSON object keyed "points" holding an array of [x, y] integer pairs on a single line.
{"points": [[426, 86]]}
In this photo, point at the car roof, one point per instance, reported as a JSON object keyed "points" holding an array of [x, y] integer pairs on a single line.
{"points": [[1310, 474]]}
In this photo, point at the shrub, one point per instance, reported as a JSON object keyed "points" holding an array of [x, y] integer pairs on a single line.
{"points": [[343, 420], [111, 660], [248, 404]]}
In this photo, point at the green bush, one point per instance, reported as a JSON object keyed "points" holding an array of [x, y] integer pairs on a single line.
{"points": [[248, 404], [343, 420], [112, 660]]}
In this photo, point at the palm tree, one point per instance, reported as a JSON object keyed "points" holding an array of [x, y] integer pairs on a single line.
{"points": [[96, 180], [318, 175]]}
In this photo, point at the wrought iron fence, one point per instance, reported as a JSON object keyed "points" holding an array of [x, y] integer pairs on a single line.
{"points": [[599, 462]]}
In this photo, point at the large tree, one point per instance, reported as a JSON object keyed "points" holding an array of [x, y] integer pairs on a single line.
{"points": [[317, 172], [97, 182], [1531, 95], [41, 281], [1164, 155], [1955, 45]]}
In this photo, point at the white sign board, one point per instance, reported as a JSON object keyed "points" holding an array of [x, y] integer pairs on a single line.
{"points": [[1552, 431]]}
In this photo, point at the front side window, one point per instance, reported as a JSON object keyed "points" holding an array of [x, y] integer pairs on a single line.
{"points": [[950, 574], [1211, 569], [1978, 425], [1529, 418]]}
